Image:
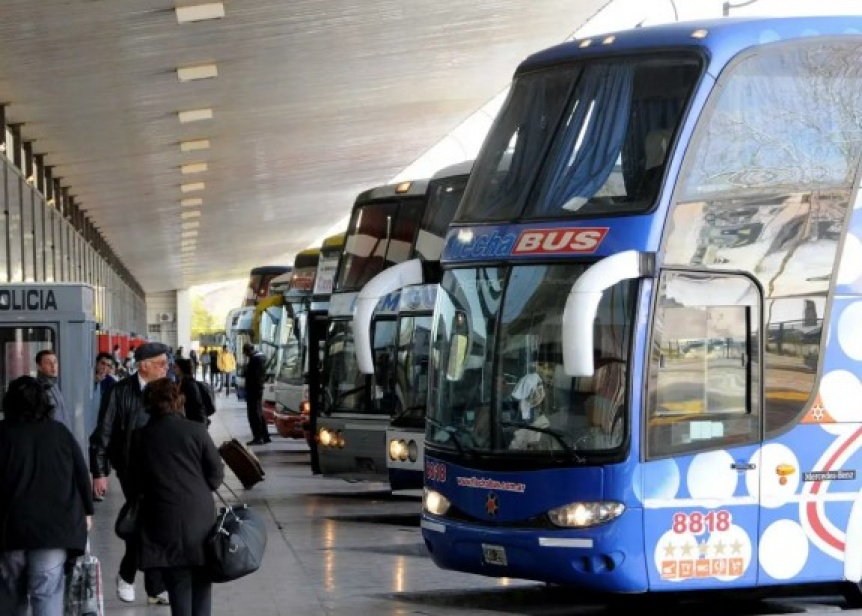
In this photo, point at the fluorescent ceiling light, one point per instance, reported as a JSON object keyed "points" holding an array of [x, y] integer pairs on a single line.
{"points": [[192, 187], [186, 234], [194, 144], [191, 202], [190, 224], [200, 71], [191, 214], [194, 168], [195, 115], [200, 12]]}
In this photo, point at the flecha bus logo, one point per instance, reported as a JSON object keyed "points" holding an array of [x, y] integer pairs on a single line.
{"points": [[565, 240]]}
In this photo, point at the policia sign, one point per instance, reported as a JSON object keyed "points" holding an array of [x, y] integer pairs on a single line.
{"points": [[51, 298], [27, 299]]}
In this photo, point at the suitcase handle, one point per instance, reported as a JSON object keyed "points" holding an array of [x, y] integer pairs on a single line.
{"points": [[235, 497]]}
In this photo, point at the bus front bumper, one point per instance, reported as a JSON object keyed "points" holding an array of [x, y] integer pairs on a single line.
{"points": [[607, 558]]}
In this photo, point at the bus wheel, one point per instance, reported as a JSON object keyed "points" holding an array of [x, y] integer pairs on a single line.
{"points": [[852, 594]]}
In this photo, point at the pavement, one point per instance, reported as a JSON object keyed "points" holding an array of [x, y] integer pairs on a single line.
{"points": [[334, 548]]}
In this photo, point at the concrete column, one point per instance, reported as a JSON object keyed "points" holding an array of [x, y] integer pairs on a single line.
{"points": [[184, 320]]}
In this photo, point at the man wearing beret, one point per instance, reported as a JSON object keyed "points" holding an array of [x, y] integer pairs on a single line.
{"points": [[120, 413]]}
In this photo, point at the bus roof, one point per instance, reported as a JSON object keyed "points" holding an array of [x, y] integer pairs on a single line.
{"points": [[720, 38], [333, 241], [270, 269], [462, 168], [306, 258], [414, 188]]}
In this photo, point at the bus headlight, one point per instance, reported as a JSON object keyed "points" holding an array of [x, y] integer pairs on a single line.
{"points": [[583, 515], [397, 450], [412, 451], [435, 503], [325, 437], [339, 440]]}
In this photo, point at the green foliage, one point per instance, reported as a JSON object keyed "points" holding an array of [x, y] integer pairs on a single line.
{"points": [[203, 321]]}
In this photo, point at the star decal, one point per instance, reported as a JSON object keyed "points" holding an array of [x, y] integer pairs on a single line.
{"points": [[817, 412], [669, 550], [492, 506]]}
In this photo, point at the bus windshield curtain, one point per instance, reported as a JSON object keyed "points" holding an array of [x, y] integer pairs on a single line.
{"points": [[594, 137], [647, 115], [516, 143]]}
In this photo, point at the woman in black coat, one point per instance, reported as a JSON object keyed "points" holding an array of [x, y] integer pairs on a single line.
{"points": [[46, 501], [194, 404], [179, 468]]}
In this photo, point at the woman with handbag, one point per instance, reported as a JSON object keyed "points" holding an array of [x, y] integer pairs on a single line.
{"points": [[46, 502], [179, 469]]}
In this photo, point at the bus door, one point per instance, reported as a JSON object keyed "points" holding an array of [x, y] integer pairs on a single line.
{"points": [[703, 433]]}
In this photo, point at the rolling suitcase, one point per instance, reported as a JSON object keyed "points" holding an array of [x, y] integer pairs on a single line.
{"points": [[242, 462]]}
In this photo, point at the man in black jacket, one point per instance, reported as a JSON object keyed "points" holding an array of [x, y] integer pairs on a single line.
{"points": [[255, 377], [121, 412]]}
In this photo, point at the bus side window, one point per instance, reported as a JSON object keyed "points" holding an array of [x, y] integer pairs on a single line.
{"points": [[704, 366]]}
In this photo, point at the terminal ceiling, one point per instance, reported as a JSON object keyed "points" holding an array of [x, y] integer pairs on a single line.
{"points": [[313, 102]]}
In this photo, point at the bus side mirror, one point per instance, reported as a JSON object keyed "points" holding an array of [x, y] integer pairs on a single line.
{"points": [[458, 345], [582, 305]]}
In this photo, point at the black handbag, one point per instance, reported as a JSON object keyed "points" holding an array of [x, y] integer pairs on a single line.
{"points": [[127, 524], [235, 546]]}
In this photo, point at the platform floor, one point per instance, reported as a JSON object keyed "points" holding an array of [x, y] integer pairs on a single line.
{"points": [[334, 548]]}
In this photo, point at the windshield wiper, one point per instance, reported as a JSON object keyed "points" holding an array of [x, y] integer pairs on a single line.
{"points": [[408, 411], [454, 432], [559, 436], [342, 395]]}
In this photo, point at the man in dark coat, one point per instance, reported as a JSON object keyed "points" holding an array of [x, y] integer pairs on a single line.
{"points": [[103, 381], [48, 374], [255, 378], [121, 412]]}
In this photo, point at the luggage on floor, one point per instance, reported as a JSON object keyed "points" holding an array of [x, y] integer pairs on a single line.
{"points": [[83, 594], [242, 462]]}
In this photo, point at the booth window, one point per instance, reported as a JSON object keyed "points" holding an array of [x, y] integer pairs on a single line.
{"points": [[20, 345]]}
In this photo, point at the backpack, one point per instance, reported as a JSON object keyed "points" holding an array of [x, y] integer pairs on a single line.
{"points": [[207, 396]]}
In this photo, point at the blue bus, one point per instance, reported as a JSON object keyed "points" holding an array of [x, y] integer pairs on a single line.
{"points": [[645, 351], [392, 319]]}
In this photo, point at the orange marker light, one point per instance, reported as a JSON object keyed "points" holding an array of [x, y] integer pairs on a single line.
{"points": [[783, 471]]}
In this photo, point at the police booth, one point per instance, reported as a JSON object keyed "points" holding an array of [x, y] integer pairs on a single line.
{"points": [[57, 316]]}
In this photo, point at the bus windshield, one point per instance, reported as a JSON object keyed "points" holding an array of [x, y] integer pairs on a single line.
{"points": [[345, 387], [270, 320], [522, 403], [583, 139], [380, 234], [293, 347], [414, 341], [444, 195]]}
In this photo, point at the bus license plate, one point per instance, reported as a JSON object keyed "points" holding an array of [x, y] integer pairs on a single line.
{"points": [[494, 554]]}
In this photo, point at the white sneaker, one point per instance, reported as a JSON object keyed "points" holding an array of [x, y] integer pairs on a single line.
{"points": [[125, 591], [160, 599]]}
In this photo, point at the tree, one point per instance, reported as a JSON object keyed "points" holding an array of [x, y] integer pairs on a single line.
{"points": [[203, 321]]}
